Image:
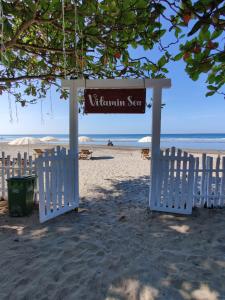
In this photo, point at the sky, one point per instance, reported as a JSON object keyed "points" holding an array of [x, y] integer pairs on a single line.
{"points": [[187, 110]]}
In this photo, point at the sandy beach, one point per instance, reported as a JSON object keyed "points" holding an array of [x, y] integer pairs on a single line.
{"points": [[114, 248]]}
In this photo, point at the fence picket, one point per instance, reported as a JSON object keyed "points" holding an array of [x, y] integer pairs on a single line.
{"points": [[222, 186], [183, 182], [203, 193], [209, 164], [171, 178], [47, 181], [7, 165], [19, 164], [177, 179], [24, 163], [196, 191], [190, 183], [3, 175]]}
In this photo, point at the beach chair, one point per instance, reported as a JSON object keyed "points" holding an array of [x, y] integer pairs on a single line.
{"points": [[38, 152], [5, 161], [145, 153], [50, 151], [85, 154]]}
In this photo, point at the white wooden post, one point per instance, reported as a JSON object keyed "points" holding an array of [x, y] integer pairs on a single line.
{"points": [[72, 85], [157, 85]]}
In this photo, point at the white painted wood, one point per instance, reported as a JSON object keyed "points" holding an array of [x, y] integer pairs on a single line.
{"points": [[209, 162], [196, 190], [3, 176], [156, 84], [222, 187], [117, 83], [19, 164], [177, 182], [203, 192], [73, 86], [24, 165], [217, 182], [56, 186], [183, 192], [155, 148], [8, 166], [171, 178], [166, 177], [30, 167], [190, 185], [13, 166]]}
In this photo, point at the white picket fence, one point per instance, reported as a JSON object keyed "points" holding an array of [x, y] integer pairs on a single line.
{"points": [[56, 181], [22, 164], [185, 181], [209, 182]]}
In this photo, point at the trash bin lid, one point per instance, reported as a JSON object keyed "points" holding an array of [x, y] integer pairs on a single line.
{"points": [[19, 178]]}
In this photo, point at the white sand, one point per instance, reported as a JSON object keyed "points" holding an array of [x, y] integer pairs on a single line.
{"points": [[113, 249]]}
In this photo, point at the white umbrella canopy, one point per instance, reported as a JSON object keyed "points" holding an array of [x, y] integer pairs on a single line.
{"points": [[49, 139], [146, 139], [84, 139], [27, 140]]}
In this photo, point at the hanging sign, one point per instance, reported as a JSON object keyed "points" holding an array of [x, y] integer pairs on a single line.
{"points": [[105, 101]]}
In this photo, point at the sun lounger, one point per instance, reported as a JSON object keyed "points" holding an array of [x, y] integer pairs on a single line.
{"points": [[5, 161], [38, 152], [85, 154], [145, 153]]}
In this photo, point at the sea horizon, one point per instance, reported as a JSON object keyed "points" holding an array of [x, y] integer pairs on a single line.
{"points": [[205, 141]]}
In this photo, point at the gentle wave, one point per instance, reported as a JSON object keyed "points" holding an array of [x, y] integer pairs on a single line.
{"points": [[134, 140], [194, 140], [191, 140]]}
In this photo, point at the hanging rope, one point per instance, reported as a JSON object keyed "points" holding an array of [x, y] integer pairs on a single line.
{"points": [[64, 38], [16, 109], [10, 109], [75, 37], [2, 29], [51, 104], [42, 117], [78, 36], [3, 50]]}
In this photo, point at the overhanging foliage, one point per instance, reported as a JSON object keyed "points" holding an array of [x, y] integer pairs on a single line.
{"points": [[98, 38]]}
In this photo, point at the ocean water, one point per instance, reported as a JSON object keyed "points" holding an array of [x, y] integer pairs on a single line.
{"points": [[211, 141]]}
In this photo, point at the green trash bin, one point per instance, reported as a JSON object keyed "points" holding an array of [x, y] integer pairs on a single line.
{"points": [[21, 195]]}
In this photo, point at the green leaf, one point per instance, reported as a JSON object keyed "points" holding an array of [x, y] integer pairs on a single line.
{"points": [[178, 56], [212, 88], [204, 35], [195, 28], [216, 34], [210, 94], [162, 61]]}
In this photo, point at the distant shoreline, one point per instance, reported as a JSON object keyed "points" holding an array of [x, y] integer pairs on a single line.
{"points": [[4, 147]]}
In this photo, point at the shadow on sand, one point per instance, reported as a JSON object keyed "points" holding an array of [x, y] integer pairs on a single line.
{"points": [[114, 248], [101, 157]]}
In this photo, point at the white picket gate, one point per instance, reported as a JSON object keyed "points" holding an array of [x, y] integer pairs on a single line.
{"points": [[56, 181], [175, 182], [23, 164]]}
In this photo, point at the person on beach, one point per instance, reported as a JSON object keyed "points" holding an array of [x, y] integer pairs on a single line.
{"points": [[110, 143]]}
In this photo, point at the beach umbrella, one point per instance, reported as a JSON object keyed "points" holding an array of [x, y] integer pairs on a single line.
{"points": [[146, 139], [25, 141], [84, 139], [49, 139]]}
